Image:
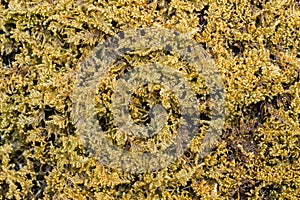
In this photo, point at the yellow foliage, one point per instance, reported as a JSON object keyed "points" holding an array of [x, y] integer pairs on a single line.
{"points": [[255, 46]]}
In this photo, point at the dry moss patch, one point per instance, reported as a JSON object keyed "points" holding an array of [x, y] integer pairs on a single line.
{"points": [[255, 45]]}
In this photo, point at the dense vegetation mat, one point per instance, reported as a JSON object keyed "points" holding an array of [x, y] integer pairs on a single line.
{"points": [[255, 45]]}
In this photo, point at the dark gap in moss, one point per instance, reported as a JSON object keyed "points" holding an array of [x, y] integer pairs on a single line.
{"points": [[4, 187], [123, 188], [42, 124], [189, 157], [250, 145], [258, 21], [98, 3], [28, 176], [81, 152], [201, 17], [66, 46], [188, 187], [8, 59], [63, 36], [10, 25], [236, 48], [36, 166], [230, 156], [51, 138], [5, 4], [243, 132], [38, 189], [276, 27], [70, 127], [258, 112], [147, 120], [235, 154], [167, 2], [16, 113], [17, 158], [286, 86], [169, 122], [39, 177], [204, 45], [79, 52], [7, 137], [19, 187], [25, 90], [293, 184], [35, 82], [267, 150], [272, 56], [204, 116], [271, 191], [115, 24], [168, 13], [37, 18], [194, 79], [58, 67], [83, 187], [85, 26], [149, 1], [104, 122], [158, 192], [290, 47], [49, 111], [257, 3], [162, 4], [127, 145], [246, 186], [106, 37], [285, 99], [46, 168], [258, 73], [272, 161], [202, 98], [41, 170], [37, 143], [274, 102]]}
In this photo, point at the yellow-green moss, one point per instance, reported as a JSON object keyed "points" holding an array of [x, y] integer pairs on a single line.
{"points": [[255, 45]]}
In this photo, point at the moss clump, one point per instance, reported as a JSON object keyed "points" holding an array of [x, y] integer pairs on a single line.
{"points": [[255, 45]]}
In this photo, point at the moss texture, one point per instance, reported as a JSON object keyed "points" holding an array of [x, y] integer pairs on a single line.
{"points": [[255, 45]]}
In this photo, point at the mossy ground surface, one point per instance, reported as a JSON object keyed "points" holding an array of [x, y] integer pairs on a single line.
{"points": [[255, 45]]}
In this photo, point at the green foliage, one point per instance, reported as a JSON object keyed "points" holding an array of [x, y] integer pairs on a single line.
{"points": [[255, 45]]}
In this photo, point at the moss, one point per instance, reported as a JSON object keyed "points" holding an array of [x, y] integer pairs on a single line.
{"points": [[255, 46]]}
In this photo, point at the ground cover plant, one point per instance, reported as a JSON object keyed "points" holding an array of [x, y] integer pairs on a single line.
{"points": [[255, 45]]}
